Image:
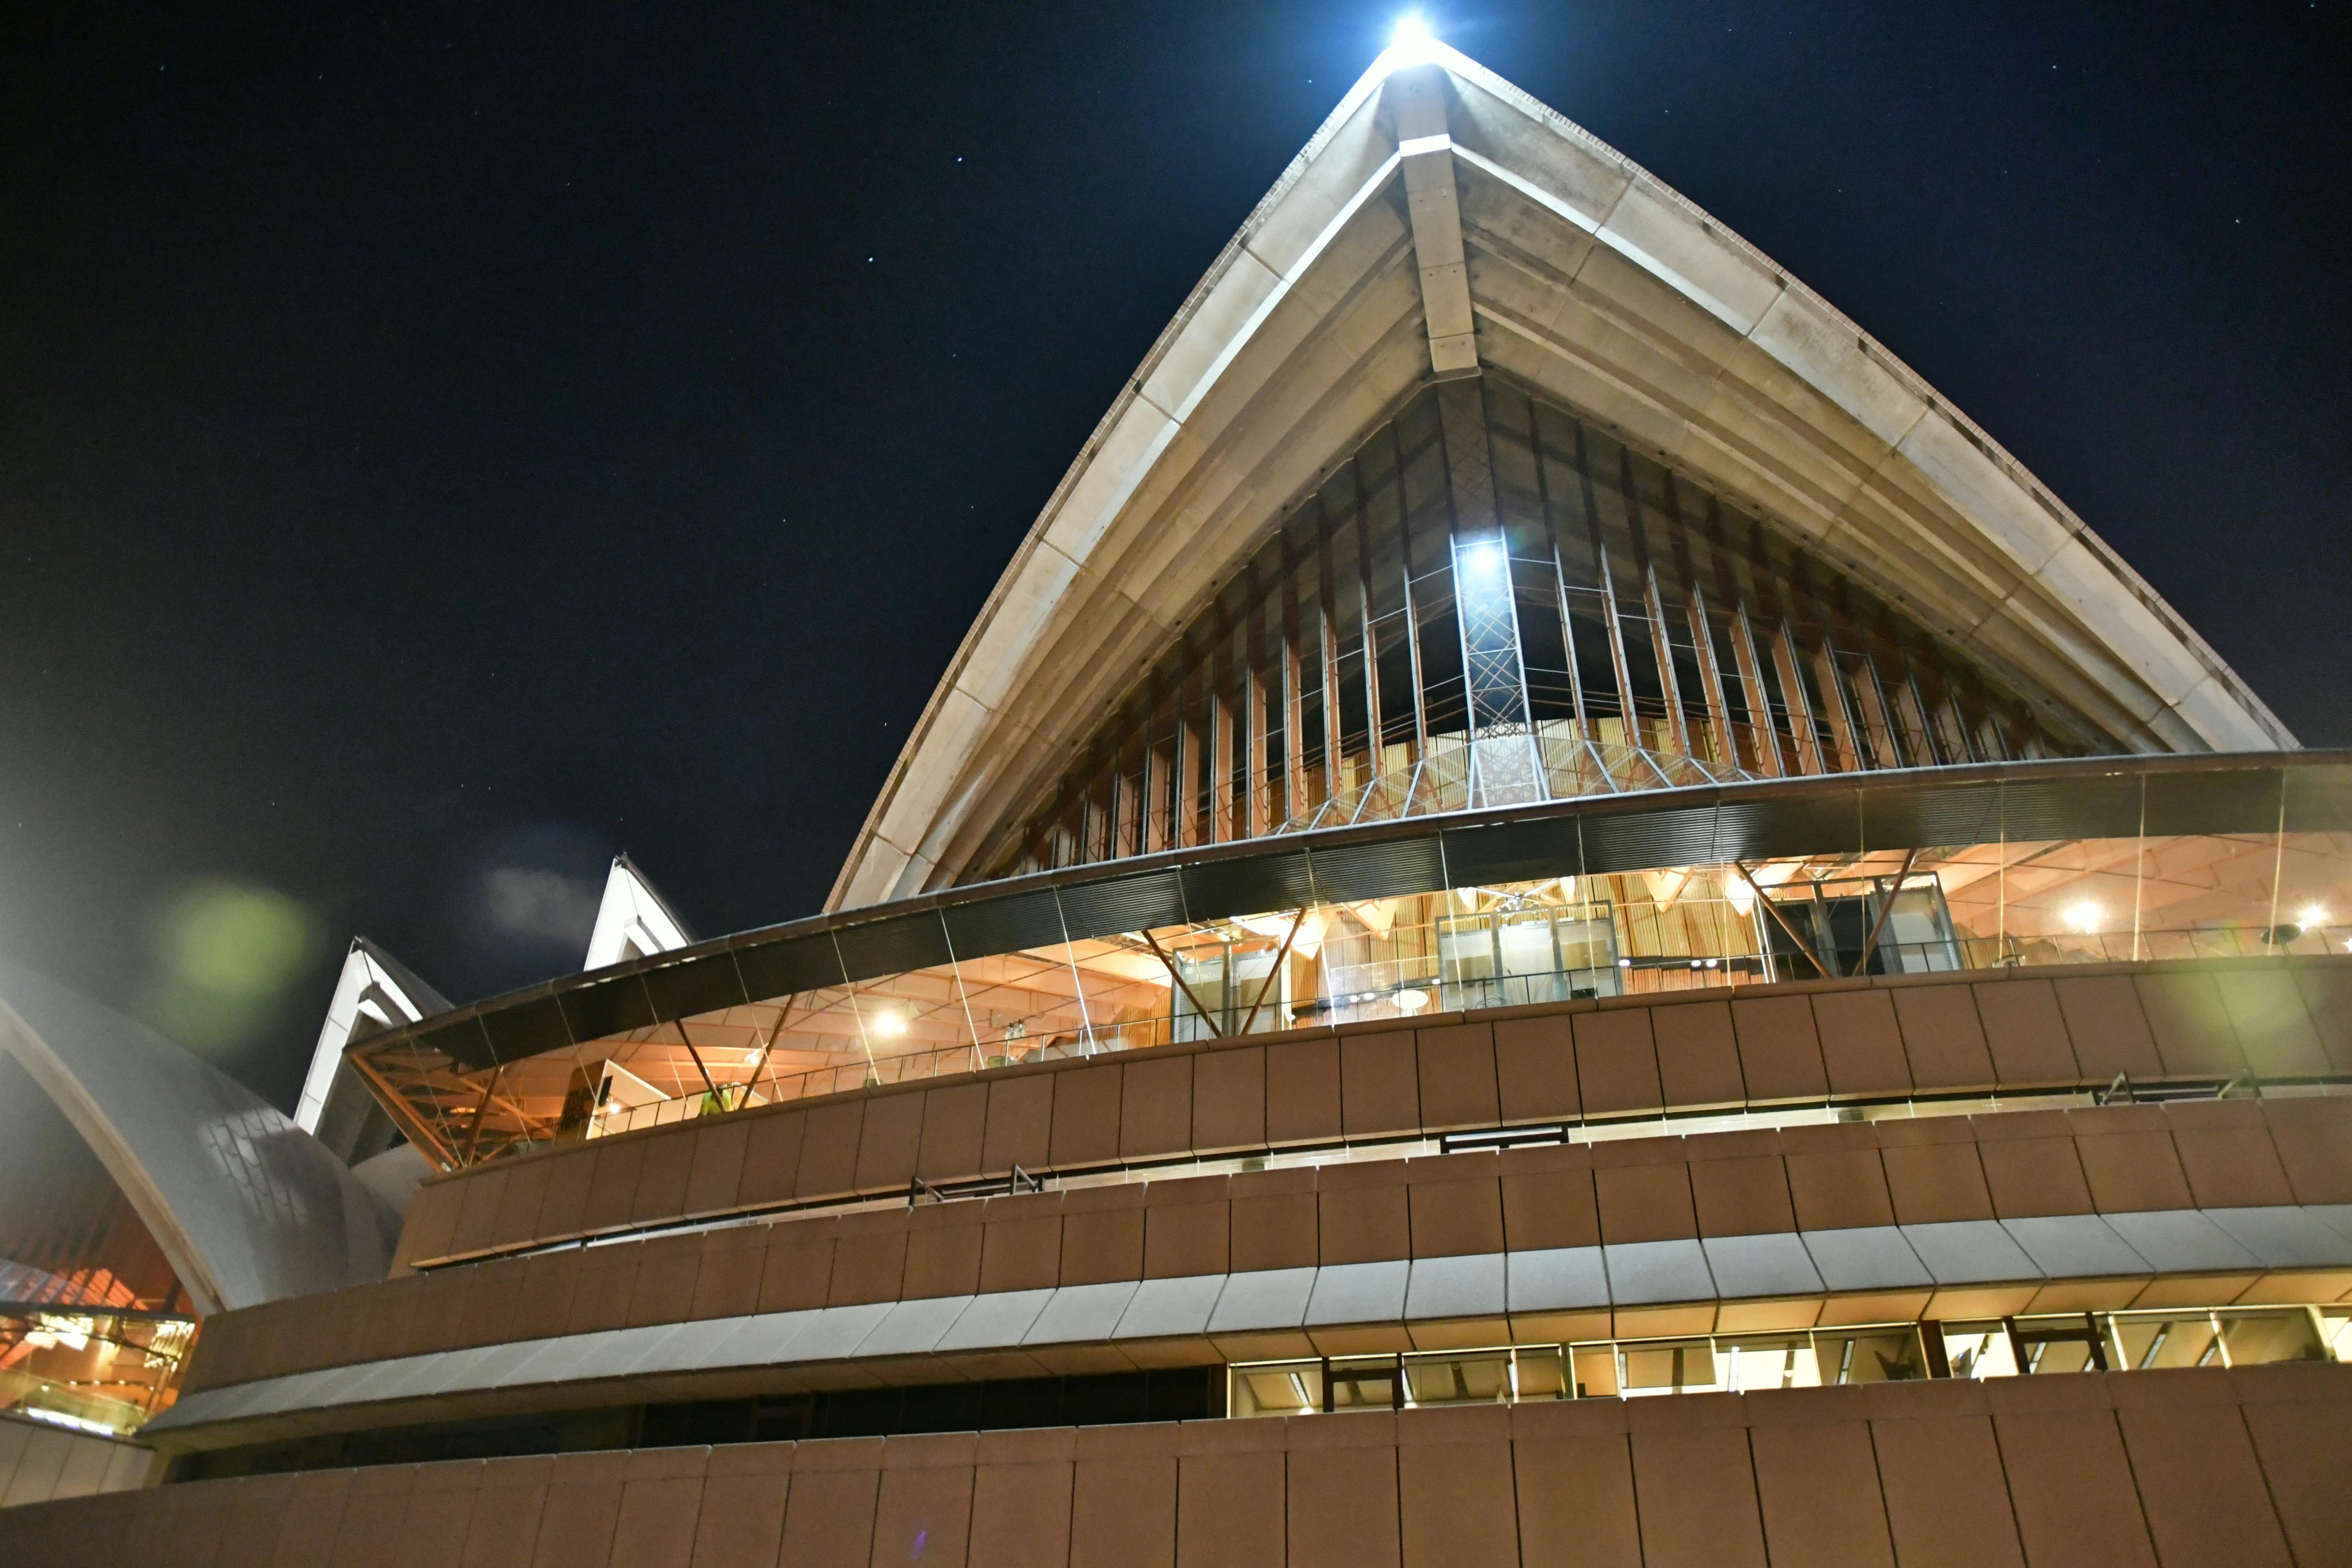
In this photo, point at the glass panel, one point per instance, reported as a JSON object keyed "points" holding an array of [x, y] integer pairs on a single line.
{"points": [[1544, 940], [1540, 1372], [1679, 1368], [2163, 1339], [1458, 1379], [2251, 1338], [1596, 1371], [1871, 1355], [90, 1372], [1747, 1365], [1277, 1388], [1363, 1385], [1613, 585]]}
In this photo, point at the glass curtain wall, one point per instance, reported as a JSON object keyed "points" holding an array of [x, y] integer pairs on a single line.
{"points": [[1983, 906], [2027, 1345], [1493, 601]]}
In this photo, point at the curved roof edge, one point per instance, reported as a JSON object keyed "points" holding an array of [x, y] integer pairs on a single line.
{"points": [[1310, 322], [246, 1207]]}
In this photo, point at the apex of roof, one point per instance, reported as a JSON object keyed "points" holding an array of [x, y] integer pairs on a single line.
{"points": [[1442, 222]]}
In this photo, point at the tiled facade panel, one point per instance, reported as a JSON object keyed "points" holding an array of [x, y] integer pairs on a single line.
{"points": [[2083, 1470], [1626, 1056], [1927, 1171]]}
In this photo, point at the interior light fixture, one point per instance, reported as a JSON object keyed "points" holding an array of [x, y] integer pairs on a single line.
{"points": [[2312, 915], [2083, 917], [889, 1024], [1411, 999]]}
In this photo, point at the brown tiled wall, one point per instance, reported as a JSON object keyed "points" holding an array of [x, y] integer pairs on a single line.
{"points": [[2014, 1164], [2181, 1467], [1627, 1055]]}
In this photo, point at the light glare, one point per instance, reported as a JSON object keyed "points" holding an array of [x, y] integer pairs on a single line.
{"points": [[2083, 917], [1412, 42]]}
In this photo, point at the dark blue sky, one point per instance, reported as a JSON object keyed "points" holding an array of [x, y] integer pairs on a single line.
{"points": [[433, 441]]}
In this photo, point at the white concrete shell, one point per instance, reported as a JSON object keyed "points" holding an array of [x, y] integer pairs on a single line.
{"points": [[633, 920], [1583, 276], [374, 989], [245, 1205]]}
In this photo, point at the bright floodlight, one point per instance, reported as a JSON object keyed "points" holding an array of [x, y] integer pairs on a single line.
{"points": [[2312, 915], [1412, 37], [1483, 559], [2085, 918], [890, 1024]]}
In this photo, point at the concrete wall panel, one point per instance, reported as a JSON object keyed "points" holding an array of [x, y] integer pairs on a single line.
{"points": [[1302, 1092], [1187, 1227], [661, 1178], [772, 1158], [1780, 1055], [955, 1124], [612, 1184], [1947, 1497], [1020, 1124], [715, 1183], [2198, 1481], [1020, 1500], [1229, 1100], [2072, 1487], [828, 1167], [829, 1508], [1861, 1050], [2110, 1034], [1547, 1198], [661, 1501], [1456, 1070], [583, 1506], [1456, 1505], [2193, 1034], [1617, 1062], [1085, 1116], [1274, 1220], [1817, 1481], [1698, 1054], [1534, 1069], [1123, 1510], [2025, 1031], [1155, 1108], [1944, 1039], [742, 1522], [1380, 1092], [1696, 1485], [889, 1141]]}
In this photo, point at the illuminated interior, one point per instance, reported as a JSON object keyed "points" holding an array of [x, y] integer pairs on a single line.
{"points": [[1973, 907]]}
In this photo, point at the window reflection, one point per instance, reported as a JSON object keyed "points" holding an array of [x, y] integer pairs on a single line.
{"points": [[1751, 1363], [1985, 906]]}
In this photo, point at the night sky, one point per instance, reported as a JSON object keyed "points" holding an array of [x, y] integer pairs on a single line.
{"points": [[442, 449]]}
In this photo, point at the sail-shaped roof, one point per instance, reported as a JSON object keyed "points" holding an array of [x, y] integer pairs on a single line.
{"points": [[245, 1204], [1443, 224]]}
